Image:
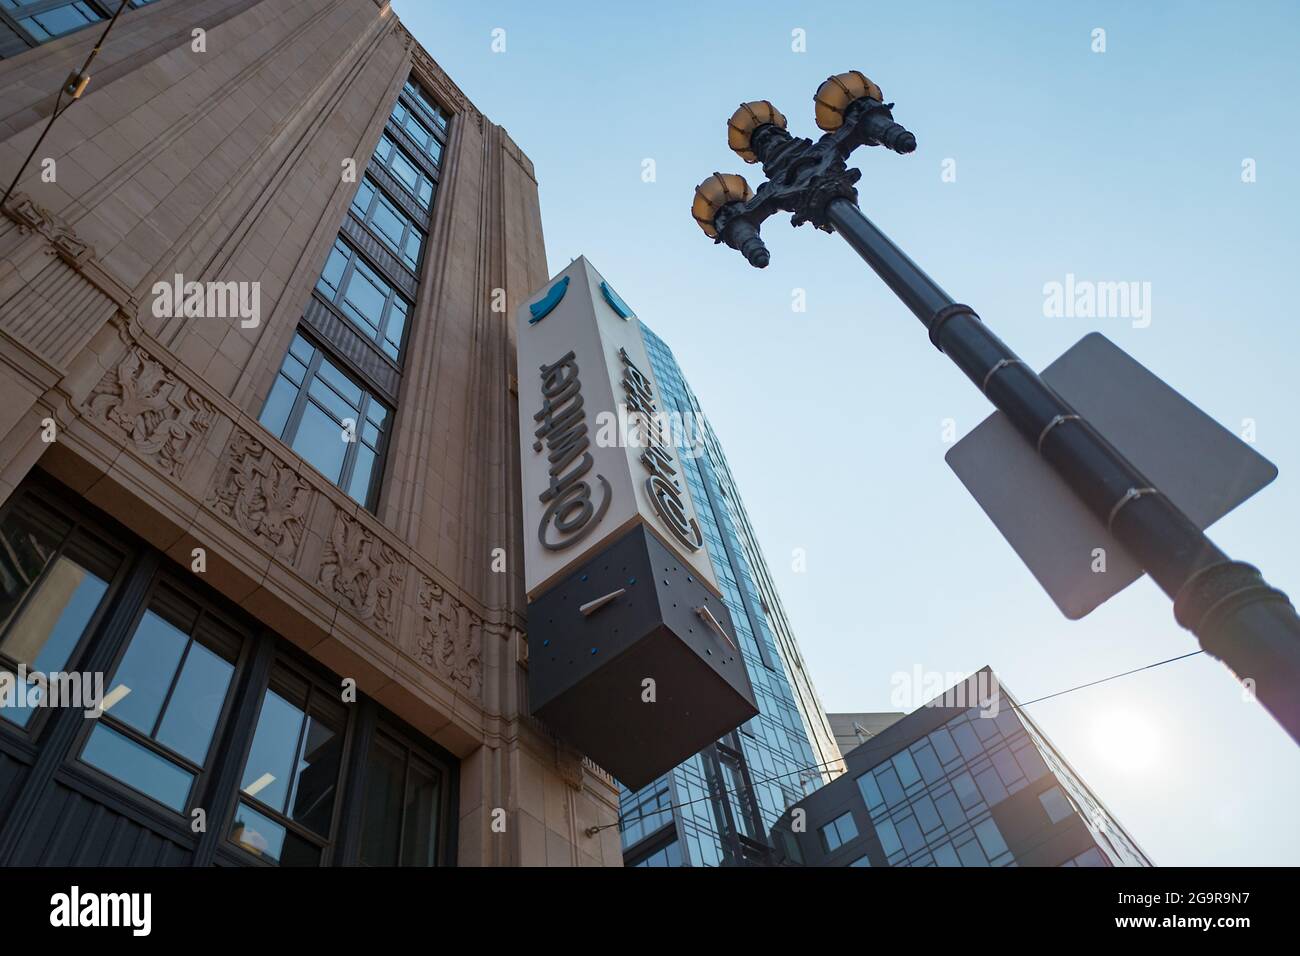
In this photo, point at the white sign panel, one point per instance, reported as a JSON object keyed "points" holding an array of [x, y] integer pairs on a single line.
{"points": [[599, 451]]}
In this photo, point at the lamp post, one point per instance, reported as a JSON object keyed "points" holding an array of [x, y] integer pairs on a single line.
{"points": [[1235, 614]]}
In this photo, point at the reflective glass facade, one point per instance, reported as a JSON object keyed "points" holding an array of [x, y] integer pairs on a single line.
{"points": [[958, 786], [718, 807]]}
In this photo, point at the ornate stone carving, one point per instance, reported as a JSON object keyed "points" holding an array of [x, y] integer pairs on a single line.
{"points": [[260, 493], [66, 244], [451, 637], [163, 417], [364, 571]]}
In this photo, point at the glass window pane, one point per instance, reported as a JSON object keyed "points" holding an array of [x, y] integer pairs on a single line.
{"points": [[303, 349], [1031, 762], [1056, 804], [964, 784], [271, 841], [137, 691], [278, 405], [1006, 765], [928, 763], [971, 855], [196, 703], [339, 407], [341, 383], [888, 837], [320, 441], [945, 855], [364, 300], [359, 486], [382, 827], [967, 742], [889, 785], [317, 776], [990, 786], [419, 840], [910, 834], [138, 767], [268, 772], [950, 810], [50, 625], [332, 275], [906, 767], [943, 745], [28, 539], [990, 838], [926, 814], [870, 792]]}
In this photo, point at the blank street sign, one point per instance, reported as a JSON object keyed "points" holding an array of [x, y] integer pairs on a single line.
{"points": [[1200, 465]]}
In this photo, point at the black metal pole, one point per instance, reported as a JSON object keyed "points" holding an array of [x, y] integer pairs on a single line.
{"points": [[1238, 618]]}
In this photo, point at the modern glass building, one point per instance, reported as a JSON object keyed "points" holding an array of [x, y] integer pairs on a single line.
{"points": [[717, 808], [967, 780]]}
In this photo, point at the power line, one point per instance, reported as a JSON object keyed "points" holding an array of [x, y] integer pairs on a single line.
{"points": [[591, 831], [73, 86]]}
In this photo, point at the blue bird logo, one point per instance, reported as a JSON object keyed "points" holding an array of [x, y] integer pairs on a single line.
{"points": [[547, 303]]}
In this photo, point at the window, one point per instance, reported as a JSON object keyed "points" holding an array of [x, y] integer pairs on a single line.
{"points": [[365, 297], [418, 131], [325, 416], [870, 792], [403, 806], [54, 21], [861, 861], [906, 767], [416, 92], [889, 840], [990, 837], [670, 855], [165, 700], [290, 780], [405, 171], [838, 832], [1056, 803], [388, 223], [53, 578]]}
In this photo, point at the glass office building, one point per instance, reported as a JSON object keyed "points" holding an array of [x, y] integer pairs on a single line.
{"points": [[717, 808], [957, 785]]}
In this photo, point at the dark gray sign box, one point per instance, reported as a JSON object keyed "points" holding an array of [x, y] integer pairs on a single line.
{"points": [[1202, 467], [587, 672]]}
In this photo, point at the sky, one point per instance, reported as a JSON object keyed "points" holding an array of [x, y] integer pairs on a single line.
{"points": [[1122, 165]]}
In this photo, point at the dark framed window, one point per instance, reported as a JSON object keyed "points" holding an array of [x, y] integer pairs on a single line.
{"points": [[419, 132], [838, 832], [426, 104], [402, 168], [55, 576], [43, 20], [168, 695], [365, 297], [290, 782], [406, 801], [329, 419], [388, 223]]}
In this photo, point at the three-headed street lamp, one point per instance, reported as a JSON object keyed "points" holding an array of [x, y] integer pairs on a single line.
{"points": [[1238, 618]]}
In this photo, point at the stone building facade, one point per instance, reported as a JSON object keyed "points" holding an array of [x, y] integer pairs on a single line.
{"points": [[212, 145]]}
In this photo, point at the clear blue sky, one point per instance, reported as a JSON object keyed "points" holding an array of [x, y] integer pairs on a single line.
{"points": [[1119, 166]]}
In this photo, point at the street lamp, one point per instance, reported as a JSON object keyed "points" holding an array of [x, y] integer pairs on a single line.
{"points": [[1236, 615]]}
